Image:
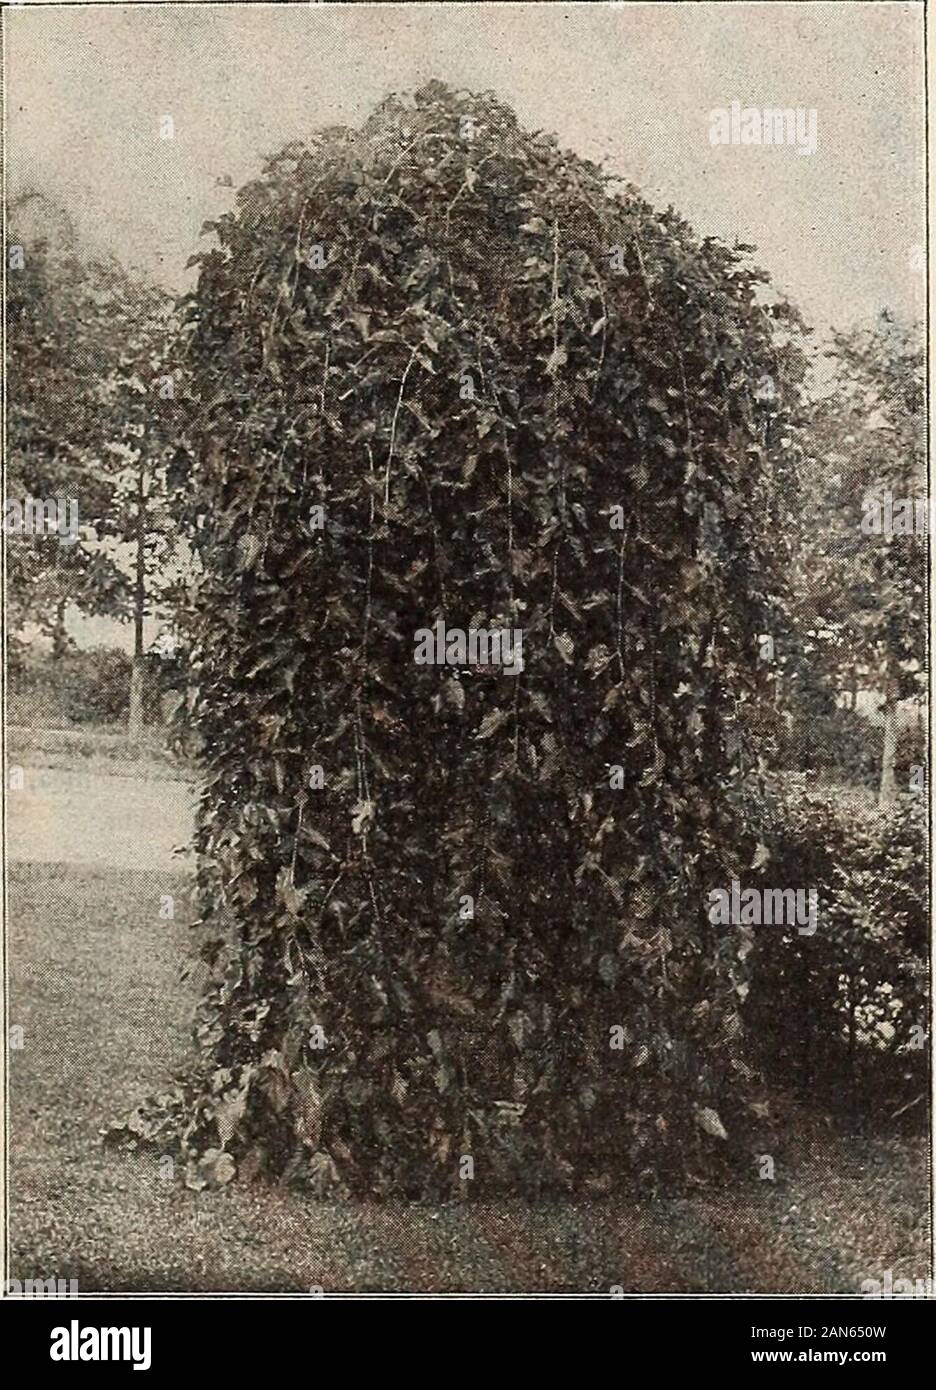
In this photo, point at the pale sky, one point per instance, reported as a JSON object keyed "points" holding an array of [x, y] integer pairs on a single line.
{"points": [[633, 85]]}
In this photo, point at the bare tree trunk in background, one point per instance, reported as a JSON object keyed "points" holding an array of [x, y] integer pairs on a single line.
{"points": [[888, 790], [59, 635], [139, 607]]}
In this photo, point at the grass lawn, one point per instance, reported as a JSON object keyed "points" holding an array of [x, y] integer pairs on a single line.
{"points": [[94, 984], [95, 748]]}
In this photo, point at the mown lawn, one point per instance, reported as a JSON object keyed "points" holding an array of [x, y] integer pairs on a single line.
{"points": [[95, 748], [94, 984]]}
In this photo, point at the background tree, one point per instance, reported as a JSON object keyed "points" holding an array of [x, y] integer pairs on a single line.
{"points": [[141, 394], [58, 354], [90, 419], [861, 594]]}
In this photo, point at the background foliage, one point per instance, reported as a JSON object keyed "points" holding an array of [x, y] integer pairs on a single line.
{"points": [[843, 1016]]}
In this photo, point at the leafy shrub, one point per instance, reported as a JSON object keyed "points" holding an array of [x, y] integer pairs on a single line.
{"points": [[841, 1015], [79, 687], [846, 746]]}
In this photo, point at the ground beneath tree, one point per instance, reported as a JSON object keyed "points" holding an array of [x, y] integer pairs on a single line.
{"points": [[94, 984]]}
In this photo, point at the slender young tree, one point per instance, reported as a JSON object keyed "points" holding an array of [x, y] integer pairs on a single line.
{"points": [[142, 397], [861, 585]]}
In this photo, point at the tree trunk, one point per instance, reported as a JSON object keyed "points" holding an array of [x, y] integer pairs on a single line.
{"points": [[139, 608], [135, 729], [888, 789], [59, 635]]}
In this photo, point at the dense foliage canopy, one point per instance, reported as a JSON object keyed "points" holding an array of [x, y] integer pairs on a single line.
{"points": [[523, 399]]}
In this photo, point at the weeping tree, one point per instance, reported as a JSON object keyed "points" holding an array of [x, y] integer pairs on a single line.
{"points": [[455, 919]]}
